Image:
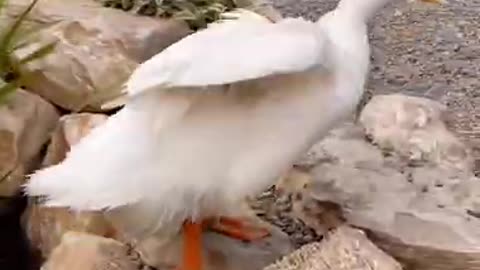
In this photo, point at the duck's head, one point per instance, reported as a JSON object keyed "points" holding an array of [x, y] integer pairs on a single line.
{"points": [[365, 9]]}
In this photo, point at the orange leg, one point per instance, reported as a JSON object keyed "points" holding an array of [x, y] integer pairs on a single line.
{"points": [[192, 246], [237, 228]]}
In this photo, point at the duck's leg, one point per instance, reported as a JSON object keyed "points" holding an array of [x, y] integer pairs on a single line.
{"points": [[237, 228], [192, 246]]}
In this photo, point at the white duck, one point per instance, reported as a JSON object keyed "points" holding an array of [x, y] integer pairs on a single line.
{"points": [[215, 117]]}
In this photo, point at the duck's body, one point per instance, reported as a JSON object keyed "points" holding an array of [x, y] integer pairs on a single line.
{"points": [[206, 126], [188, 153]]}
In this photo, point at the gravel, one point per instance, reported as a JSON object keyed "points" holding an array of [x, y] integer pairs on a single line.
{"points": [[422, 50], [277, 209]]}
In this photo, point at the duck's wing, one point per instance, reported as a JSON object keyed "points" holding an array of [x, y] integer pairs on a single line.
{"points": [[230, 52]]}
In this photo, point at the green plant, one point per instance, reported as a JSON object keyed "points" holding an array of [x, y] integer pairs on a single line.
{"points": [[197, 13], [11, 75]]}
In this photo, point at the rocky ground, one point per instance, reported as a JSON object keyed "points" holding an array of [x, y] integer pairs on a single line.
{"points": [[416, 50], [422, 51]]}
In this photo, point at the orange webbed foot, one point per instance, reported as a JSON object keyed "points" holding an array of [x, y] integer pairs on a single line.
{"points": [[192, 246], [237, 228]]}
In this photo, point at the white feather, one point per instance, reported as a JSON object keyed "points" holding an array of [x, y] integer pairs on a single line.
{"points": [[223, 54], [171, 155]]}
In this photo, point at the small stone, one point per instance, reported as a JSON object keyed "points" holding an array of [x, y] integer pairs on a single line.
{"points": [[71, 129], [96, 50], [407, 125], [399, 205], [81, 251]]}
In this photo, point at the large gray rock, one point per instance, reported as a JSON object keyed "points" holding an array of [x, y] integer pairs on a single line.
{"points": [[342, 249], [426, 212], [26, 121], [96, 49]]}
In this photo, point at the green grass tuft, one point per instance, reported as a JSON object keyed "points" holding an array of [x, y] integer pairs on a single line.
{"points": [[197, 13], [11, 76]]}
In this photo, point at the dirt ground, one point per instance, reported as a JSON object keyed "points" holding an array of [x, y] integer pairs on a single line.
{"points": [[422, 50]]}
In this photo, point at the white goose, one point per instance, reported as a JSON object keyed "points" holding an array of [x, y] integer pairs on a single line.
{"points": [[217, 116]]}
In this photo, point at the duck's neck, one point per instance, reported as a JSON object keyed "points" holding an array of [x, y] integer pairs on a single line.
{"points": [[361, 10]]}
